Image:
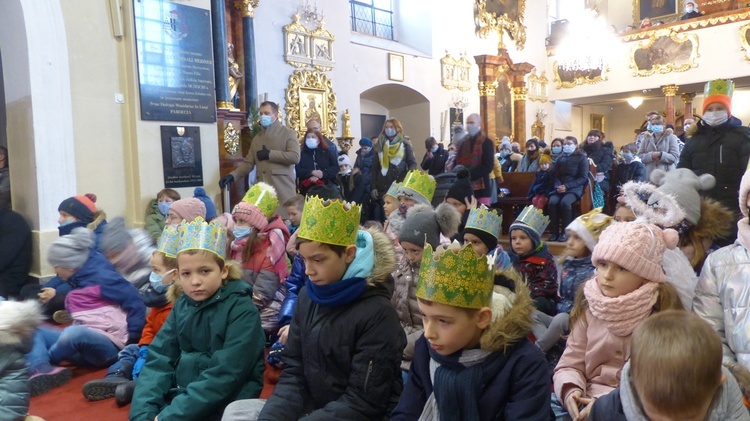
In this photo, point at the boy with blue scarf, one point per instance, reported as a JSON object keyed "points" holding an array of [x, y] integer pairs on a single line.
{"points": [[343, 354]]}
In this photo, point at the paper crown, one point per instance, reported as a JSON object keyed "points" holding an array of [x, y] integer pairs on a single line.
{"points": [[330, 221], [486, 220], [589, 226], [455, 276], [169, 241], [201, 235], [719, 87], [262, 196], [534, 218], [393, 189], [419, 186]]}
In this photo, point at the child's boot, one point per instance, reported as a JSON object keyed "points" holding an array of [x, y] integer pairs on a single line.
{"points": [[46, 377], [124, 393], [97, 390]]}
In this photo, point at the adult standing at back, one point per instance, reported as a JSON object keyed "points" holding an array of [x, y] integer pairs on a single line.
{"points": [[719, 145], [394, 158], [435, 158], [274, 152], [660, 148], [602, 154], [477, 153]]}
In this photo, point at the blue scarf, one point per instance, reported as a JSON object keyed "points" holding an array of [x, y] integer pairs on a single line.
{"points": [[66, 229]]}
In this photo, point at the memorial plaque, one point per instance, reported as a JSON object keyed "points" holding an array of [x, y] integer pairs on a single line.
{"points": [[175, 62], [181, 156]]}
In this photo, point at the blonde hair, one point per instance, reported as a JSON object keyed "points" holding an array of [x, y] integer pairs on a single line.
{"points": [[675, 362], [235, 271], [396, 125], [169, 262]]}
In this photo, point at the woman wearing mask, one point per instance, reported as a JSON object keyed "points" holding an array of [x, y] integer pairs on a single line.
{"points": [[318, 164], [556, 149], [394, 157], [570, 177], [603, 155], [435, 157], [530, 160], [719, 145], [660, 148]]}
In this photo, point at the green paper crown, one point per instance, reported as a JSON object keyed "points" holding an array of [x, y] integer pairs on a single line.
{"points": [[534, 218], [419, 186], [486, 220], [169, 241], [262, 196], [393, 189], [330, 221], [200, 235], [455, 276], [719, 87]]}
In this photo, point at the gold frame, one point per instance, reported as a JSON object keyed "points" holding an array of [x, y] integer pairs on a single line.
{"points": [[678, 5], [579, 80], [302, 85], [744, 42], [601, 120], [677, 37], [489, 23], [304, 47]]}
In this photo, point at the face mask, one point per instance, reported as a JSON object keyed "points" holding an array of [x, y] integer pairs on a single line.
{"points": [[434, 149], [688, 10], [68, 222], [556, 150], [569, 149], [345, 171], [156, 281], [504, 154], [390, 132], [472, 129], [657, 128], [365, 149], [164, 207], [311, 142], [715, 118], [241, 232], [530, 153], [627, 156], [266, 120]]}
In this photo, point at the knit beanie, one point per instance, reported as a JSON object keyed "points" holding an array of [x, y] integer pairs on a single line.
{"points": [[684, 185], [505, 143], [72, 250], [115, 237], [200, 194], [636, 246], [546, 157], [488, 239], [250, 213], [461, 188], [189, 208], [226, 221], [590, 226], [422, 221], [344, 160], [533, 235], [81, 208], [365, 141]]}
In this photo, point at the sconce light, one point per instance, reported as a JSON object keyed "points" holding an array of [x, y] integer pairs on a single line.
{"points": [[635, 102]]}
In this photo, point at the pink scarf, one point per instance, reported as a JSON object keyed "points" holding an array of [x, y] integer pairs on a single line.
{"points": [[743, 232], [621, 314]]}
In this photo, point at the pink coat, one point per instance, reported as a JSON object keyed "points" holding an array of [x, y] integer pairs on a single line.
{"points": [[592, 361]]}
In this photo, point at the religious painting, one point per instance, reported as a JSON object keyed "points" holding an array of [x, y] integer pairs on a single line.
{"points": [[597, 122], [504, 107], [322, 49], [665, 52], [570, 78], [656, 9], [310, 96], [744, 32], [502, 16]]}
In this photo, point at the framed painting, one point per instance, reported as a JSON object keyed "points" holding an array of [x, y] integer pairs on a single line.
{"points": [[597, 122], [503, 107], [665, 52], [310, 96], [656, 9], [396, 67]]}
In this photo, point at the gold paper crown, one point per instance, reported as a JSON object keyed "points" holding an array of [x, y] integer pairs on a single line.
{"points": [[393, 189], [262, 196], [719, 87], [534, 218], [455, 276], [419, 186], [486, 220], [200, 235], [169, 241], [595, 221], [330, 221]]}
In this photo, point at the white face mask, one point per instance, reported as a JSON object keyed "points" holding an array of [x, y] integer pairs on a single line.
{"points": [[715, 118], [312, 142]]}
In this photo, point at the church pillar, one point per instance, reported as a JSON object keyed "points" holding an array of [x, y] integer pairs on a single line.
{"points": [[488, 66], [221, 66], [669, 92], [687, 101], [247, 9], [517, 73]]}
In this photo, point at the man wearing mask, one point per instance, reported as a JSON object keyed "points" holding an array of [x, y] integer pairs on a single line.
{"points": [[719, 145], [691, 11], [477, 153], [649, 116], [274, 152]]}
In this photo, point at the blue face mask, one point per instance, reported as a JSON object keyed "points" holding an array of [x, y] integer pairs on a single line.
{"points": [[241, 232], [266, 120], [569, 149], [390, 132], [657, 128], [164, 207], [156, 281], [504, 154], [434, 149], [627, 156], [557, 150], [65, 223]]}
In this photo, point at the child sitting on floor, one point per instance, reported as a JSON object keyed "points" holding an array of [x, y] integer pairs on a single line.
{"points": [[158, 209], [482, 231]]}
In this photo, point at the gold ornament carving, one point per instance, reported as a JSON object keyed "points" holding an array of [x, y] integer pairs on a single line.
{"points": [[231, 139], [310, 96], [247, 7], [455, 72], [697, 24], [487, 89], [567, 79], [538, 87], [745, 40], [494, 18], [687, 96], [305, 47], [670, 90], [520, 93], [665, 52]]}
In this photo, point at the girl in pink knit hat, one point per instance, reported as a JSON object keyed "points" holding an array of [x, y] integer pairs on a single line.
{"points": [[628, 287]]}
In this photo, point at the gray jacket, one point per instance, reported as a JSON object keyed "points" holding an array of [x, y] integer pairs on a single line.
{"points": [[669, 146]]}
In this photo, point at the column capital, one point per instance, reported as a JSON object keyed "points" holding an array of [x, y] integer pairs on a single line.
{"points": [[487, 88], [246, 7], [520, 93], [687, 96], [670, 90]]}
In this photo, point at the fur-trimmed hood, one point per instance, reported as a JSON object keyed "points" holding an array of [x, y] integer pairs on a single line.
{"points": [[18, 320], [99, 217], [515, 324], [385, 257], [174, 291], [717, 221]]}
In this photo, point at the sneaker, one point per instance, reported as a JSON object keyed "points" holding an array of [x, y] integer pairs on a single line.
{"points": [[62, 317], [97, 390], [40, 383], [124, 393]]}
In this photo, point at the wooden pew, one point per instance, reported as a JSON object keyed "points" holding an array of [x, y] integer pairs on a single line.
{"points": [[519, 184]]}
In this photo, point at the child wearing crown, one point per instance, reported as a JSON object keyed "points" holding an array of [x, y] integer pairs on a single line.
{"points": [[417, 188], [210, 350], [260, 247], [345, 342], [474, 360], [531, 257], [482, 230]]}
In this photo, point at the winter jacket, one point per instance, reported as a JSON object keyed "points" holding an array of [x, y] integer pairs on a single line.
{"points": [[154, 321], [137, 269], [436, 164], [603, 157], [155, 220], [529, 164], [18, 320], [321, 159], [510, 163], [342, 362], [353, 186], [294, 283], [574, 273], [207, 355], [668, 145], [633, 171], [520, 389], [395, 172], [623, 404], [88, 309], [404, 300], [539, 270], [721, 300], [573, 172], [364, 163], [544, 182], [15, 253], [97, 225], [723, 152], [481, 172]]}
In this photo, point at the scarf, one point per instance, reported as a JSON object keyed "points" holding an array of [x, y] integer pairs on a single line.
{"points": [[338, 293], [621, 315], [66, 229], [390, 152], [457, 383], [743, 232], [470, 156]]}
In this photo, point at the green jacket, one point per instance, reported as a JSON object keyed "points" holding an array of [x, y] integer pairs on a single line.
{"points": [[207, 355], [155, 221]]}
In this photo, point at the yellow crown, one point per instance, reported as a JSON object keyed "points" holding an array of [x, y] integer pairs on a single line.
{"points": [[393, 189], [719, 87], [169, 241], [487, 220], [455, 276], [534, 218], [200, 235], [330, 221], [262, 196], [419, 186], [595, 221]]}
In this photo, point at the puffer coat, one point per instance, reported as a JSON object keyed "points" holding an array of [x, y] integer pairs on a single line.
{"points": [[405, 302]]}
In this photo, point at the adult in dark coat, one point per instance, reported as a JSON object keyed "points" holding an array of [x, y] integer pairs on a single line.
{"points": [[603, 155], [394, 157], [435, 157], [477, 153], [318, 163], [691, 11], [629, 169], [571, 175], [15, 253]]}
